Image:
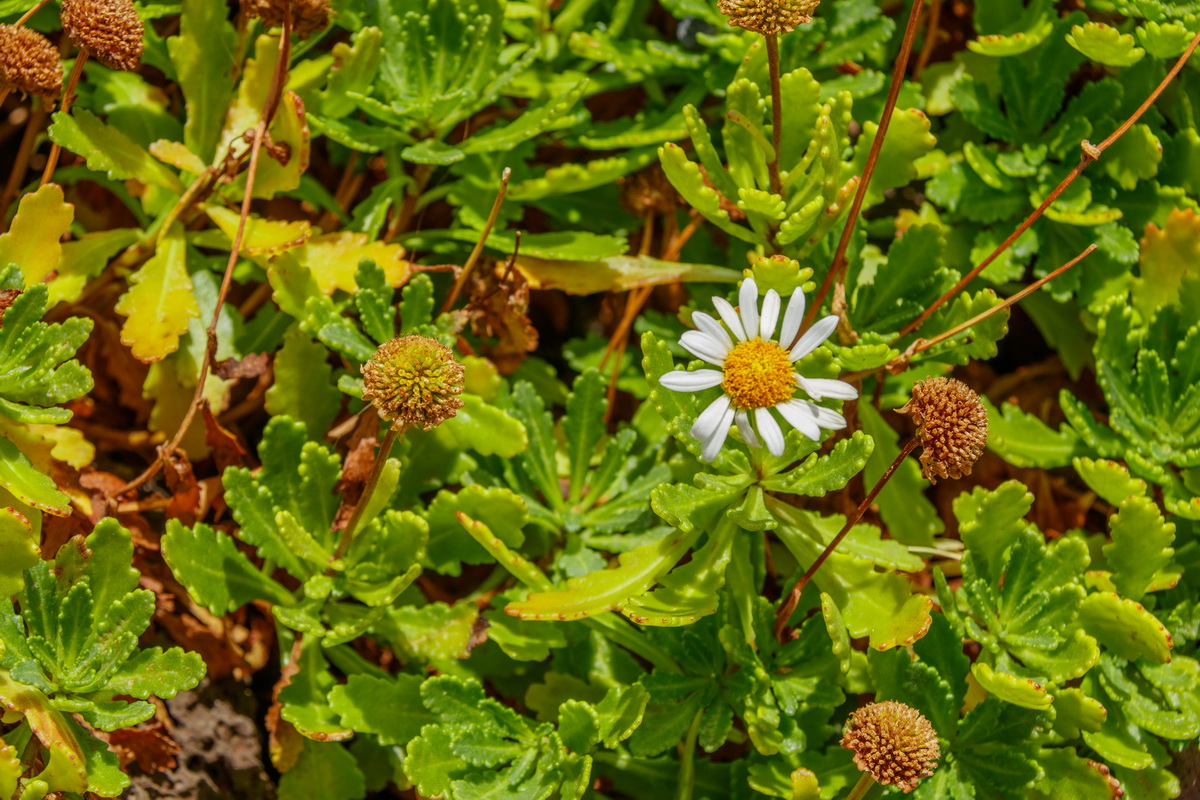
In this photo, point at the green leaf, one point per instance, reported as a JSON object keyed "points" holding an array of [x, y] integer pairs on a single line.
{"points": [[1140, 547], [526, 126], [908, 139], [1105, 44], [160, 301], [450, 545], [907, 513], [431, 761], [583, 426], [1011, 689], [621, 712], [157, 673], [687, 179], [390, 708], [1125, 627], [607, 589], [215, 572], [304, 388], [1109, 479], [818, 475], [1134, 157], [1164, 40], [110, 151], [616, 273], [323, 771], [28, 485], [202, 54], [18, 551], [486, 429]]}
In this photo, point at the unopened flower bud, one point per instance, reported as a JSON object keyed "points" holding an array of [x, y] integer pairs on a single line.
{"points": [[28, 62], [414, 380], [893, 743], [768, 16], [308, 16], [952, 425], [109, 31]]}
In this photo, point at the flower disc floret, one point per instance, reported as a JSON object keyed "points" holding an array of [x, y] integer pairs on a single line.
{"points": [[768, 16], [893, 743], [414, 380], [110, 31], [757, 372], [952, 425], [28, 62]]}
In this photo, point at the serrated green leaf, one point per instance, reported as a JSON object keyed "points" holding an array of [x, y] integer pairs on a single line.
{"points": [[202, 55], [303, 388], [1010, 688], [214, 571], [323, 771], [18, 550], [1140, 547], [449, 546], [486, 429], [390, 708], [1125, 627], [110, 151], [160, 301], [1105, 44]]}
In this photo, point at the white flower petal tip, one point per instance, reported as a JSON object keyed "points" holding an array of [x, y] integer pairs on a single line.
{"points": [[770, 314], [769, 429], [826, 388], [707, 324], [697, 381], [730, 317], [709, 420], [821, 330], [704, 347], [748, 306], [792, 318], [711, 445]]}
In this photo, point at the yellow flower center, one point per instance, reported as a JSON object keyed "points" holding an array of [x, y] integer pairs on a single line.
{"points": [[758, 374]]}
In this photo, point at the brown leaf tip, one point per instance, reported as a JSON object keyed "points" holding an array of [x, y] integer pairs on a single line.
{"points": [[893, 743], [414, 380], [29, 62], [109, 31], [768, 16], [952, 425], [308, 16]]}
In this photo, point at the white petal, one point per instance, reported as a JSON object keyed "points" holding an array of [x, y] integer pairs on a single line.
{"points": [[821, 330], [712, 446], [798, 413], [742, 418], [701, 379], [707, 324], [828, 418], [792, 318], [770, 314], [768, 428], [730, 316], [707, 423], [748, 305], [704, 347], [821, 388]]}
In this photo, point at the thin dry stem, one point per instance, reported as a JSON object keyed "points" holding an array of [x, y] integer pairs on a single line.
{"points": [[26, 16], [837, 270], [21, 163], [483, 236], [776, 111], [793, 599], [1091, 152], [389, 439], [67, 98]]}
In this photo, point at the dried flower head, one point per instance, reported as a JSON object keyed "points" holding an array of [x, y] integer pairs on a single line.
{"points": [[28, 62], [308, 16], [893, 743], [952, 425], [768, 16], [109, 31], [414, 380]]}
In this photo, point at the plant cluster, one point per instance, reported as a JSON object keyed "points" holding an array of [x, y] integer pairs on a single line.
{"points": [[573, 399]]}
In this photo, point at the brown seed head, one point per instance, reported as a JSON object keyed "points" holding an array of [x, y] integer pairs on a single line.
{"points": [[414, 380], [892, 742], [109, 31], [308, 16], [768, 16], [28, 62], [952, 425]]}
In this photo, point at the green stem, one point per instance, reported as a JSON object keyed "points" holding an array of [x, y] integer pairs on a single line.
{"points": [[389, 439], [687, 761], [862, 787]]}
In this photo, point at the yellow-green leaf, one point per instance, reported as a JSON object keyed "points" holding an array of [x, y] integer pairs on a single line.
{"points": [[1125, 627], [333, 260], [160, 301], [1010, 688], [32, 243], [262, 237]]}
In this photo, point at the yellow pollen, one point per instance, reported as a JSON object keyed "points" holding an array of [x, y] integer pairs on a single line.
{"points": [[758, 374]]}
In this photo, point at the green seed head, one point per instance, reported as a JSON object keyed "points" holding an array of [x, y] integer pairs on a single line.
{"points": [[414, 380]]}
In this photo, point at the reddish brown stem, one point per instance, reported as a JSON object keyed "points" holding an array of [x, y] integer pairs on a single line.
{"points": [[21, 163], [793, 599], [931, 32], [25, 17], [776, 110], [837, 269], [1091, 152], [67, 98], [483, 237]]}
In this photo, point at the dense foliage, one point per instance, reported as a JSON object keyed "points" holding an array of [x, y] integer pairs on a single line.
{"points": [[557, 562]]}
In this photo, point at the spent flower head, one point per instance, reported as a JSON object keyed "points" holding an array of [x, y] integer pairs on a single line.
{"points": [[756, 372], [28, 62], [768, 16], [308, 16], [952, 425], [414, 380], [109, 31], [893, 743]]}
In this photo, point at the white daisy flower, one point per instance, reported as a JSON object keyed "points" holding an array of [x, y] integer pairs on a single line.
{"points": [[756, 374]]}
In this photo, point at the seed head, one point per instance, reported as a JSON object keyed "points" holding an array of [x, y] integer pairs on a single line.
{"points": [[109, 31], [414, 380], [307, 15], [28, 62], [952, 424], [768, 16], [892, 742]]}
